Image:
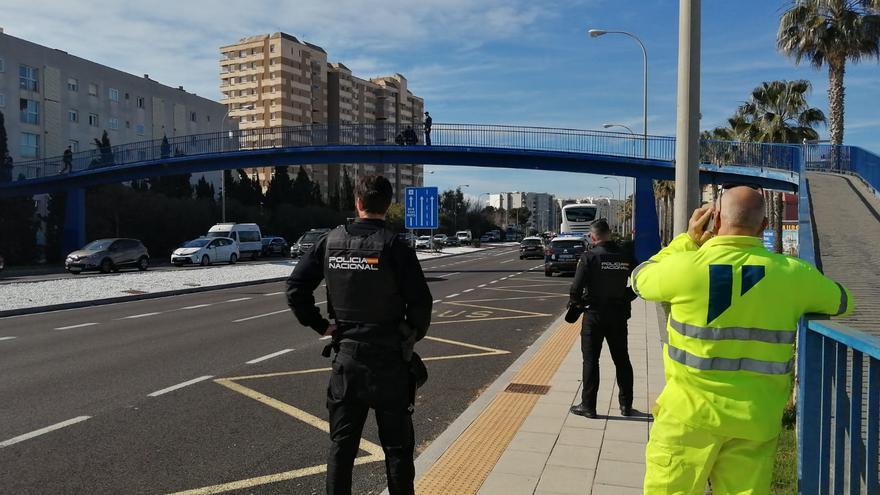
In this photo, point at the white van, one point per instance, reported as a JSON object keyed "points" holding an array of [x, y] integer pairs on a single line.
{"points": [[247, 235], [464, 237]]}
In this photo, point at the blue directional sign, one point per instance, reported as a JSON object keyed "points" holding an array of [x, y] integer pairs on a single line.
{"points": [[421, 207]]}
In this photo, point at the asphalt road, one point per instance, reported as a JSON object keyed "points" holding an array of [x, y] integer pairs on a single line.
{"points": [[225, 387]]}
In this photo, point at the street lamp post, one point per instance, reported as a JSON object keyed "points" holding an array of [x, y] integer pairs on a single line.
{"points": [[620, 220], [613, 197], [223, 172], [595, 33]]}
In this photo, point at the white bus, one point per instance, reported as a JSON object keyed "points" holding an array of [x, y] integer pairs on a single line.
{"points": [[576, 218]]}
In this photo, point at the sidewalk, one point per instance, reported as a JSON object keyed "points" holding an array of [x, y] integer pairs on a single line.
{"points": [[526, 442]]}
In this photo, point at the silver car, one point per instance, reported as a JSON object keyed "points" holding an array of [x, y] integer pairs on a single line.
{"points": [[108, 255]]}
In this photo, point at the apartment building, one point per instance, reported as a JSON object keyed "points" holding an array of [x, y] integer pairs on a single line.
{"points": [[52, 99], [273, 80], [542, 206]]}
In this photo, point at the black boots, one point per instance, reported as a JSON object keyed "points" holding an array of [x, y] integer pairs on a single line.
{"points": [[626, 411], [584, 411]]}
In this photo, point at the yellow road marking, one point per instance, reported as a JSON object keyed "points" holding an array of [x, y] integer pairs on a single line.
{"points": [[465, 304], [525, 291], [537, 315], [465, 344]]}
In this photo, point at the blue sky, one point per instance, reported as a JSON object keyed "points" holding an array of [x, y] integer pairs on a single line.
{"points": [[475, 61]]}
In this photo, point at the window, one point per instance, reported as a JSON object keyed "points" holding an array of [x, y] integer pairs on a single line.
{"points": [[271, 48], [2, 65], [72, 84], [74, 145], [128, 124], [126, 96], [30, 145], [28, 78], [93, 89], [192, 117], [2, 100], [113, 123], [114, 94], [140, 102], [93, 119], [72, 116], [30, 111], [139, 129]]}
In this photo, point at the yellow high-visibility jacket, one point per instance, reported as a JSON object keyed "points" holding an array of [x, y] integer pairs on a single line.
{"points": [[734, 313]]}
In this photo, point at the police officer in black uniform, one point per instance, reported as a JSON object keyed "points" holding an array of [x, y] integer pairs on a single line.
{"points": [[381, 304], [600, 290]]}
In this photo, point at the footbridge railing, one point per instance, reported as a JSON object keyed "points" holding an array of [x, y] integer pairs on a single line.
{"points": [[838, 371], [662, 148]]}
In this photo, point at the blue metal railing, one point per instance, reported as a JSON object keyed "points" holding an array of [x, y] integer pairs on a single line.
{"points": [[838, 426], [846, 160], [773, 156]]}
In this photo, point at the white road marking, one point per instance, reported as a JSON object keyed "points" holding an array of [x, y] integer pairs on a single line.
{"points": [[240, 299], [508, 261], [273, 293], [269, 356], [260, 316], [493, 282], [7, 338], [466, 291], [437, 300], [326, 337], [81, 325], [180, 385], [197, 306], [481, 286], [42, 431], [452, 295], [132, 317]]}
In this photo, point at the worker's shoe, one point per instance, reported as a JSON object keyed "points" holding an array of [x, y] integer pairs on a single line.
{"points": [[581, 410], [626, 411]]}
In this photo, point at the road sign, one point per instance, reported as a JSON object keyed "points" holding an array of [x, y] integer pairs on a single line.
{"points": [[421, 207], [770, 239]]}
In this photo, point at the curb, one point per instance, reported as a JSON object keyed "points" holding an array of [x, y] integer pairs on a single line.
{"points": [[452, 432], [139, 297], [156, 295]]}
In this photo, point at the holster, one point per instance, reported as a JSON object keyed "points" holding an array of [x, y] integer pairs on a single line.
{"points": [[333, 345]]}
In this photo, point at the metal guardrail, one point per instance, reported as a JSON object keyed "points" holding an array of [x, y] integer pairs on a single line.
{"points": [[838, 418], [844, 159], [775, 156]]}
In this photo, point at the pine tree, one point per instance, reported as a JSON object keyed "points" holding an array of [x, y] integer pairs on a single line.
{"points": [[302, 189], [204, 190], [280, 188]]}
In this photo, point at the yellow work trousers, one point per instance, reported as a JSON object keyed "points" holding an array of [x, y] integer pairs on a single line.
{"points": [[681, 459]]}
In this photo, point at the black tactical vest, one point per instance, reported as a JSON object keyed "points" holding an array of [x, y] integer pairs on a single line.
{"points": [[361, 284], [609, 271]]}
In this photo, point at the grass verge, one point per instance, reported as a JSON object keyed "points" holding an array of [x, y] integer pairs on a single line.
{"points": [[785, 468]]}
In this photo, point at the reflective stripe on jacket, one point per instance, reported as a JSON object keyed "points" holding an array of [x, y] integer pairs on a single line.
{"points": [[732, 325]]}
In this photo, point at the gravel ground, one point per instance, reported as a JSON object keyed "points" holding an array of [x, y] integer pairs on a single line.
{"points": [[71, 290]]}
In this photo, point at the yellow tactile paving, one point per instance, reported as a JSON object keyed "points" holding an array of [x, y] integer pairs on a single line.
{"points": [[462, 469]]}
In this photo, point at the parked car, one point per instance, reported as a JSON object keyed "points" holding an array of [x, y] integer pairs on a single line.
{"points": [[306, 241], [464, 237], [531, 247], [423, 242], [108, 255], [563, 254], [206, 250], [453, 241], [407, 238], [440, 239], [247, 235], [274, 245], [486, 238]]}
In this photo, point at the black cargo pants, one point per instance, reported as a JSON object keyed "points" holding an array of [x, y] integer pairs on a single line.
{"points": [[607, 324], [367, 377]]}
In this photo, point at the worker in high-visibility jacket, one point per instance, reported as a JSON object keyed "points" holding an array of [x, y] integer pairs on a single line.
{"points": [[729, 357]]}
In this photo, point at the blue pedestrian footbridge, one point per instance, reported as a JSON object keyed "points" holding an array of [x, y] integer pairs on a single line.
{"points": [[838, 371]]}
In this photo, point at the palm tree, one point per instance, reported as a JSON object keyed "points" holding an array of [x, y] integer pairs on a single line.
{"points": [[777, 112], [831, 32]]}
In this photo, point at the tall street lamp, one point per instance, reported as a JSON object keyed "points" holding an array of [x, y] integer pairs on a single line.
{"points": [[595, 33], [223, 172], [620, 221], [613, 197], [609, 126]]}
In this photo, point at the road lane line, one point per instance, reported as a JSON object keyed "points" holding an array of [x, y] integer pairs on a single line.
{"points": [[508, 261], [273, 293], [144, 315], [269, 356], [260, 316], [493, 282], [81, 325], [180, 385], [240, 299], [466, 291], [452, 295], [42, 431], [6, 338], [437, 300], [481, 286], [197, 306]]}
